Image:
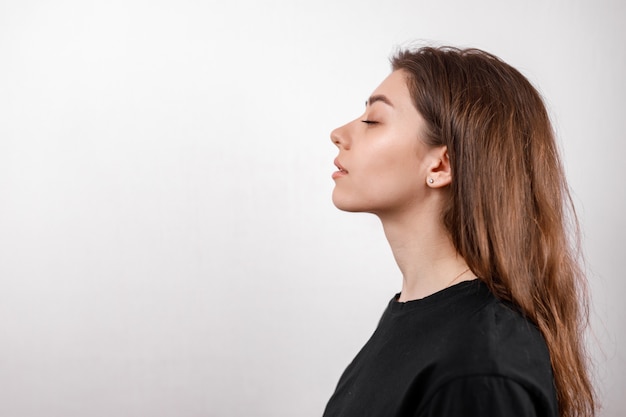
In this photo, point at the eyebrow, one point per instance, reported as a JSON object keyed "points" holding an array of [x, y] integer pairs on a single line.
{"points": [[378, 97]]}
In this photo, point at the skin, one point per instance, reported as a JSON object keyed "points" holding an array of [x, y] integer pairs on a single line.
{"points": [[384, 169]]}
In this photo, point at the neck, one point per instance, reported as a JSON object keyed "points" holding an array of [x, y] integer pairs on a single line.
{"points": [[425, 255]]}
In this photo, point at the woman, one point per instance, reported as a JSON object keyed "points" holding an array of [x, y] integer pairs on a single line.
{"points": [[456, 156]]}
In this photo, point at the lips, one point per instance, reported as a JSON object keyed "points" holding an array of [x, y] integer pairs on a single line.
{"points": [[340, 167], [341, 170]]}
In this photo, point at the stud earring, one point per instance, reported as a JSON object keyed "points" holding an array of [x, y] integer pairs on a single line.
{"points": [[430, 180]]}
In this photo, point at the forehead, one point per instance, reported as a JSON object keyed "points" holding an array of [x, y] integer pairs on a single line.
{"points": [[396, 90]]}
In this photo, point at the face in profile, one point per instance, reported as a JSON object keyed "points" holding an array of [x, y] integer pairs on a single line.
{"points": [[382, 163]]}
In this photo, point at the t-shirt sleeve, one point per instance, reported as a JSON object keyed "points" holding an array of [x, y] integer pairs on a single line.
{"points": [[486, 396]]}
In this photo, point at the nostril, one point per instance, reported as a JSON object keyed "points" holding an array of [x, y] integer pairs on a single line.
{"points": [[341, 136], [335, 136]]}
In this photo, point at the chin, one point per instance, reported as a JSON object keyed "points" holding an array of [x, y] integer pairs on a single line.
{"points": [[341, 203], [349, 205], [349, 209]]}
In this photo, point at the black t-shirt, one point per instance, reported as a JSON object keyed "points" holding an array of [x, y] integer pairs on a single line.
{"points": [[459, 352]]}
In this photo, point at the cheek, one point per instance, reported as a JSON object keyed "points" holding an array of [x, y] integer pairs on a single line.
{"points": [[392, 176], [395, 165], [397, 182], [381, 177]]}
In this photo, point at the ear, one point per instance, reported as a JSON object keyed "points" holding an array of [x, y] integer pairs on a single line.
{"points": [[439, 173]]}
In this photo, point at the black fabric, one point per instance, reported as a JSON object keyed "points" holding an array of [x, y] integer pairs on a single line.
{"points": [[459, 352]]}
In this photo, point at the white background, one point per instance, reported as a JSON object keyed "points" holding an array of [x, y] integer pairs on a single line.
{"points": [[168, 246]]}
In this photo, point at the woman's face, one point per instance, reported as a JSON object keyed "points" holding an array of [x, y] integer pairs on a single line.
{"points": [[383, 164]]}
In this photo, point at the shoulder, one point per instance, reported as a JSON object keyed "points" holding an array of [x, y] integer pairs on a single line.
{"points": [[496, 338], [494, 353], [487, 395]]}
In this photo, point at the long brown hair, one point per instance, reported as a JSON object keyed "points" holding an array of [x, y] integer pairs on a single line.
{"points": [[509, 211]]}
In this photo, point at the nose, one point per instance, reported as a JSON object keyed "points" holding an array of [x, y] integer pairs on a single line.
{"points": [[340, 137]]}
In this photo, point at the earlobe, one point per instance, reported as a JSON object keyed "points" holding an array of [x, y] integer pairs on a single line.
{"points": [[440, 172]]}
